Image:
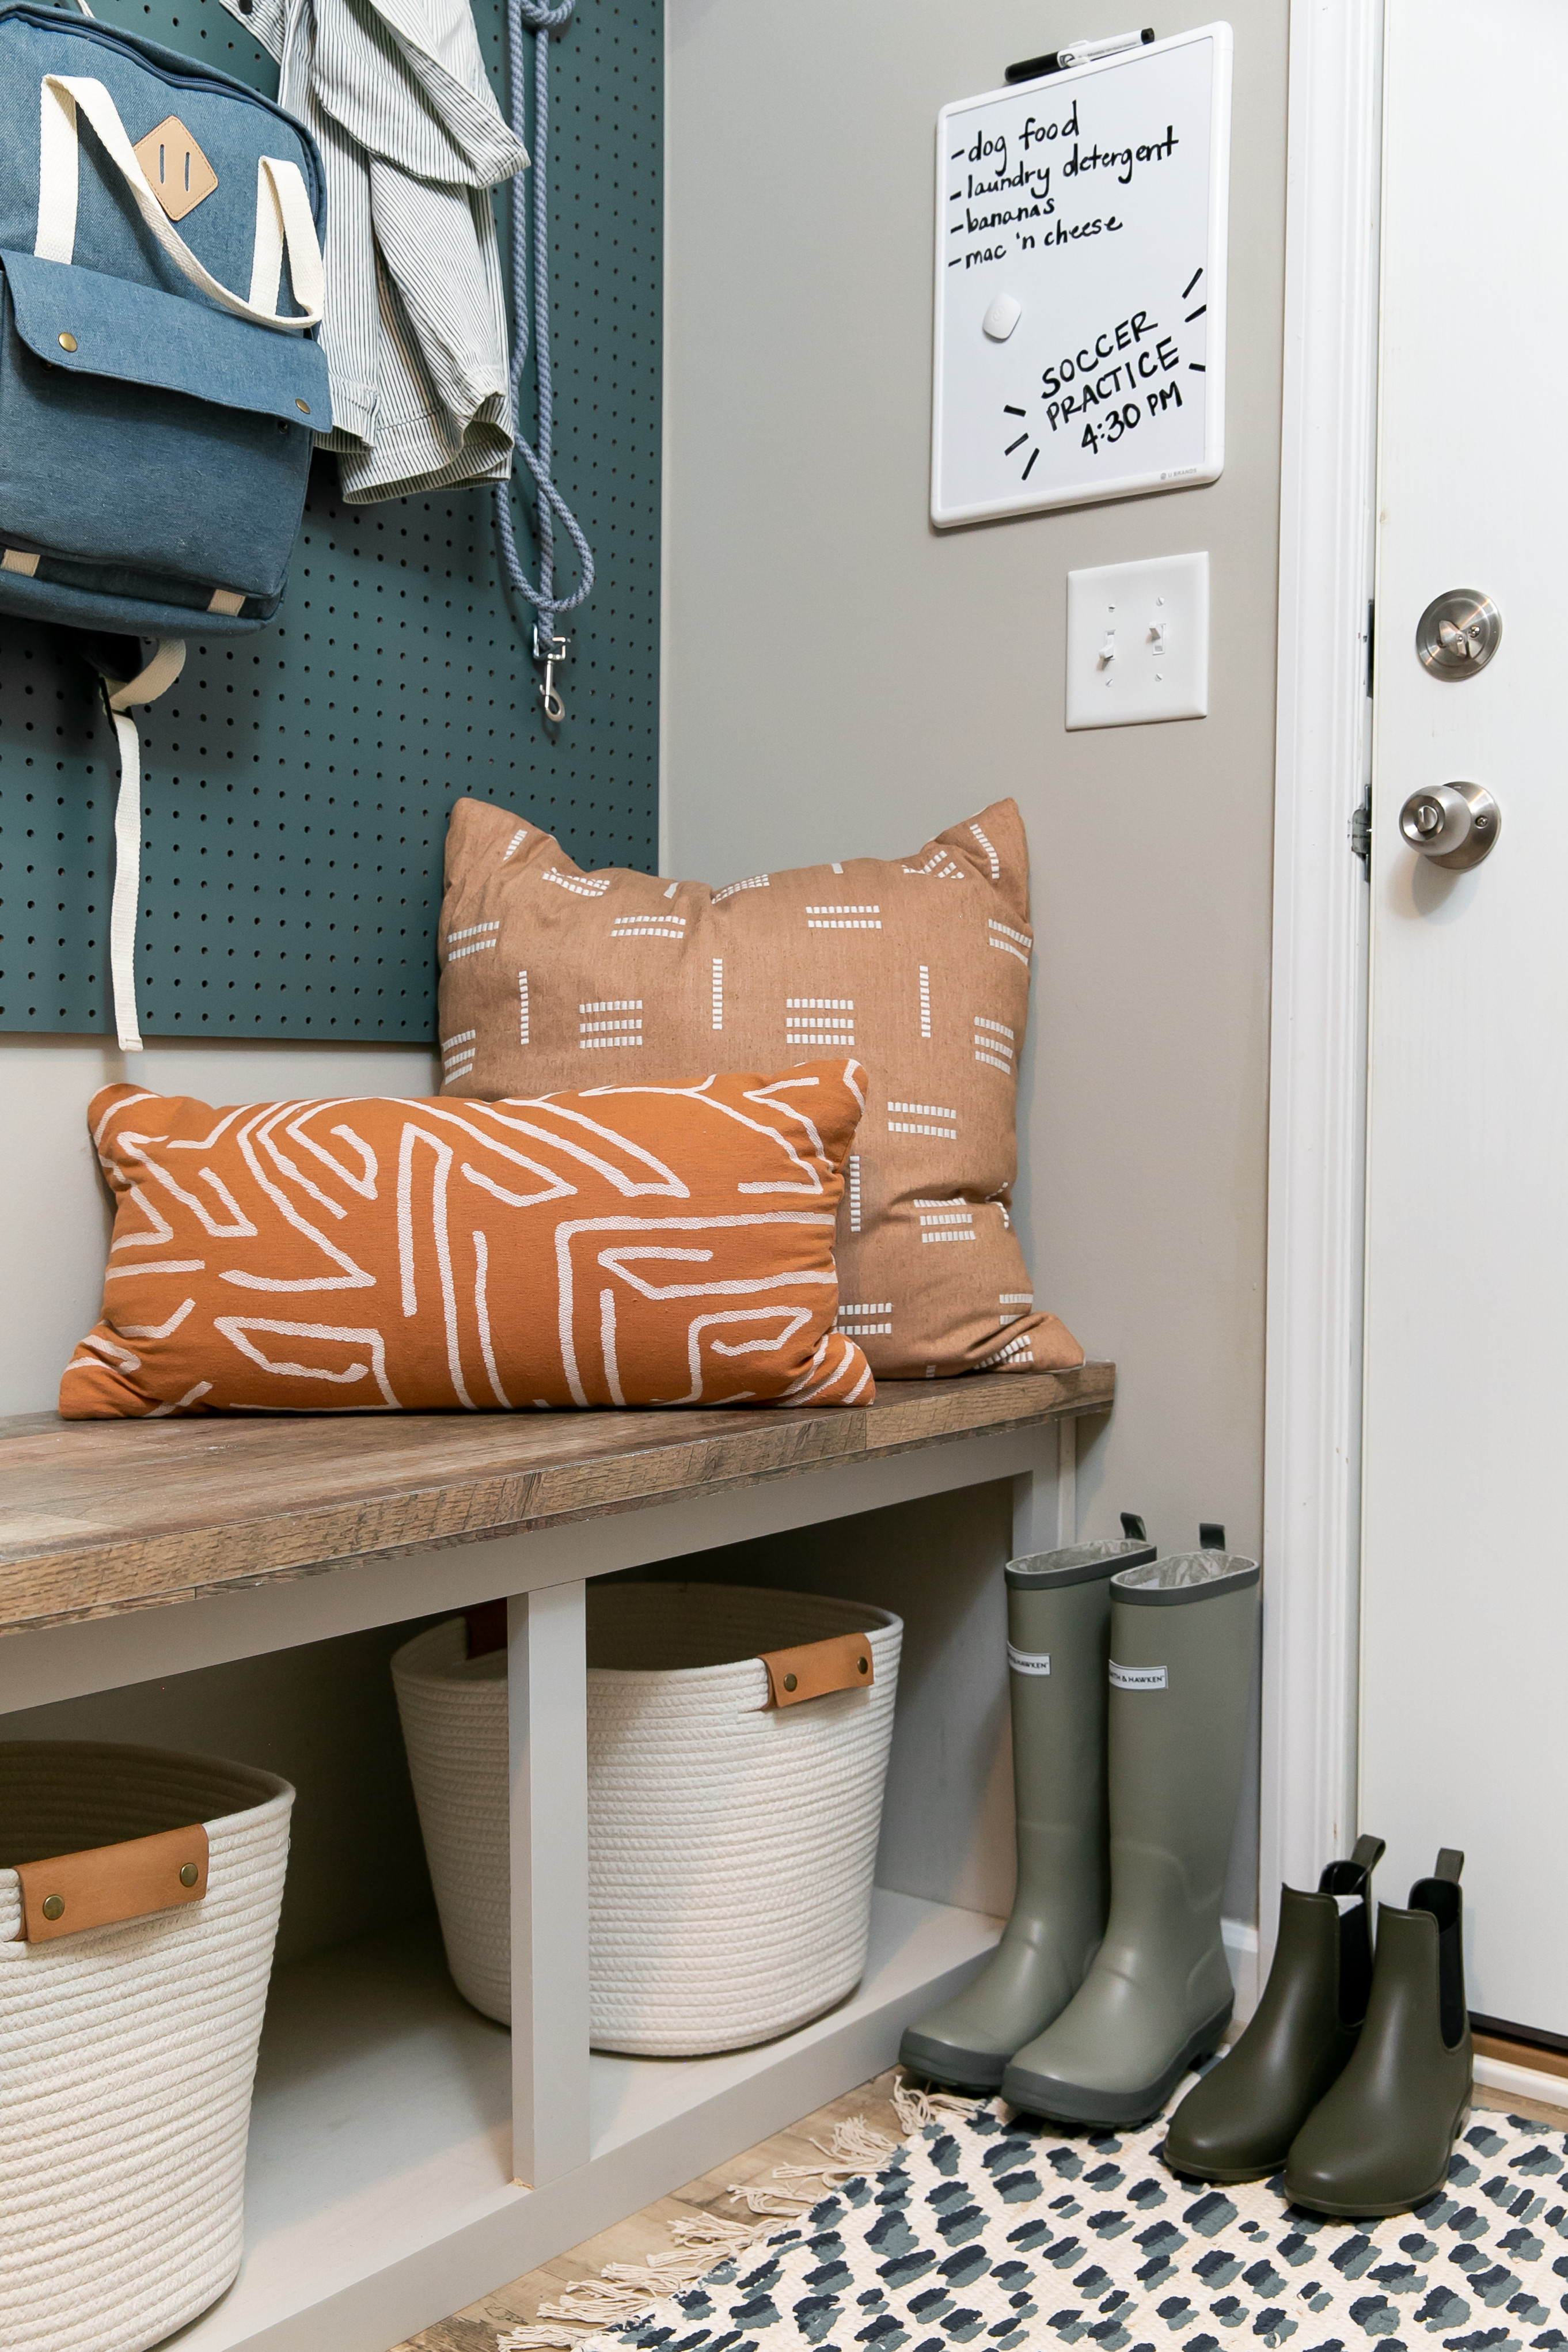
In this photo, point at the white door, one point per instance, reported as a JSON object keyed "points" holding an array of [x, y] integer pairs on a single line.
{"points": [[1465, 1607]]}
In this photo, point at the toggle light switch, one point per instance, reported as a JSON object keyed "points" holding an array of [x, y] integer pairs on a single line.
{"points": [[1138, 642]]}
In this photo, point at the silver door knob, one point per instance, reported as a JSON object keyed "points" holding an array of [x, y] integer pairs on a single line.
{"points": [[1455, 825]]}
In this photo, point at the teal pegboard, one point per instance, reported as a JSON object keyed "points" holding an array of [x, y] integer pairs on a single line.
{"points": [[296, 783]]}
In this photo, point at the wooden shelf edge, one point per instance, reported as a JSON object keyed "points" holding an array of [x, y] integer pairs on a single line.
{"points": [[65, 1577]]}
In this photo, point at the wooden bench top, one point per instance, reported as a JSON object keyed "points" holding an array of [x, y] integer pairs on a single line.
{"points": [[97, 1517]]}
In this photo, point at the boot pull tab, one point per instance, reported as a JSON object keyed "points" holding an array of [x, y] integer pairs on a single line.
{"points": [[1210, 1535], [1350, 1882], [1132, 1527], [1450, 1862]]}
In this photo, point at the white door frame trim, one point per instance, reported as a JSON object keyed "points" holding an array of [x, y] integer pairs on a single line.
{"points": [[1312, 1505]]}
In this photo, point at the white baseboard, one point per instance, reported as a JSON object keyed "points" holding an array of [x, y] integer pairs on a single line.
{"points": [[1522, 2082], [1242, 1951]]}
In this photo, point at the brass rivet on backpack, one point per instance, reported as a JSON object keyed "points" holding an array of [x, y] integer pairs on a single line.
{"points": [[790, 1682], [54, 1906], [303, 407], [189, 1873], [67, 342], [864, 1665]]}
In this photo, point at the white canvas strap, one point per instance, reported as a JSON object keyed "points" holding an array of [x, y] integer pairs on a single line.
{"points": [[283, 216], [119, 696], [283, 220]]}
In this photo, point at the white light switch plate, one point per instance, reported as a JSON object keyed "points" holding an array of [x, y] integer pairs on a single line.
{"points": [[1138, 642]]}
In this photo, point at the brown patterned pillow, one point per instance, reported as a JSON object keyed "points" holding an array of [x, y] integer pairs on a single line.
{"points": [[554, 978], [629, 1246]]}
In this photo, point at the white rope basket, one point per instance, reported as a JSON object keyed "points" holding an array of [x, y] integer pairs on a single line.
{"points": [[454, 1711], [731, 1842], [127, 2051]]}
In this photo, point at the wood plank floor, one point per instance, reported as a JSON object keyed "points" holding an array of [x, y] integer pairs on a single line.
{"points": [[479, 2327]]}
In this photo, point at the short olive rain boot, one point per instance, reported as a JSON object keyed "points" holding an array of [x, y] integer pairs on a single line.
{"points": [[1059, 1623], [1184, 1637], [1378, 2142], [1238, 2123]]}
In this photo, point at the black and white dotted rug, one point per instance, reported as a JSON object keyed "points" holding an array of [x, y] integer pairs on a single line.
{"points": [[992, 2229]]}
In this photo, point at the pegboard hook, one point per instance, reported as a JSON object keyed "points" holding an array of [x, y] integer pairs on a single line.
{"points": [[551, 651]]}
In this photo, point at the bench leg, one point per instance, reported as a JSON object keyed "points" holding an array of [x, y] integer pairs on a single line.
{"points": [[1045, 1501], [547, 1682]]}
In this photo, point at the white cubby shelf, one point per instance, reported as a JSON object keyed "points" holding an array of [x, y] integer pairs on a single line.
{"points": [[407, 2156]]}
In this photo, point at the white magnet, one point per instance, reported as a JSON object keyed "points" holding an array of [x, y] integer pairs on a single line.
{"points": [[1002, 317]]}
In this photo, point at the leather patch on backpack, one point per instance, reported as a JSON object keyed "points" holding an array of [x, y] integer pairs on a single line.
{"points": [[180, 175]]}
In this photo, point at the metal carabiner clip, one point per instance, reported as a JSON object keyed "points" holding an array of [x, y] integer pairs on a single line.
{"points": [[552, 653]]}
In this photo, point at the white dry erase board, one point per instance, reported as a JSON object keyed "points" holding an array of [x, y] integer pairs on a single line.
{"points": [[1079, 344]]}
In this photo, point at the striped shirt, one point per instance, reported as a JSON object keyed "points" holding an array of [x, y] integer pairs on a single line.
{"points": [[414, 332]]}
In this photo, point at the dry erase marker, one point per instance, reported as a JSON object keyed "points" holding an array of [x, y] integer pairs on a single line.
{"points": [[1078, 53]]}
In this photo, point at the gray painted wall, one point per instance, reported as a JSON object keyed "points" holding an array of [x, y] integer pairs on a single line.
{"points": [[842, 680]]}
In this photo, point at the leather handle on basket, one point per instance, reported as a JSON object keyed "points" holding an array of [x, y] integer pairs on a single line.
{"points": [[110, 1883], [843, 1661]]}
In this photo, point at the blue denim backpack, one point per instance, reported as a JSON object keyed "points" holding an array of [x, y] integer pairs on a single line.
{"points": [[161, 381]]}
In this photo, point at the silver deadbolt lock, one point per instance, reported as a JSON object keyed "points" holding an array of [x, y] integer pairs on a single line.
{"points": [[1455, 825], [1457, 634]]}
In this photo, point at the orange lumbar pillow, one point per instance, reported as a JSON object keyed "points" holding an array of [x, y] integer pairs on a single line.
{"points": [[919, 964], [628, 1245]]}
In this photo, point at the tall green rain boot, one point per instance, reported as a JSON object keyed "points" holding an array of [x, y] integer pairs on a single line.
{"points": [[1378, 2142], [1238, 2123], [1059, 1621], [1158, 1998]]}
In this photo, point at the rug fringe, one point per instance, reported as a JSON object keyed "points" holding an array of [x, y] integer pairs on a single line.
{"points": [[625, 2290], [700, 2241], [917, 2109], [853, 2147]]}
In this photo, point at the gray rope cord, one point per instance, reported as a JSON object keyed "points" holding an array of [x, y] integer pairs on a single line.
{"points": [[535, 315]]}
